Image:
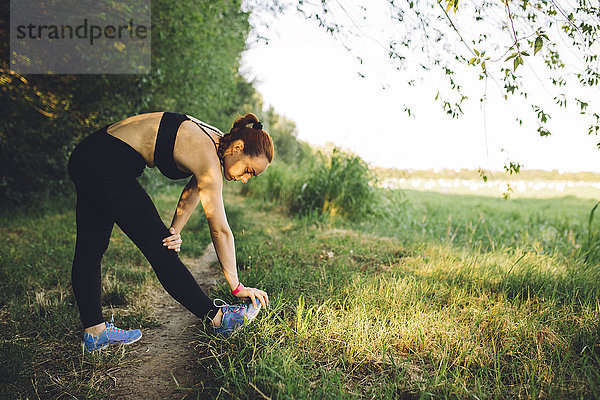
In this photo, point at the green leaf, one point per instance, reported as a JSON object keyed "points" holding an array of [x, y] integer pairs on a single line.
{"points": [[518, 61], [482, 174], [539, 42], [543, 131]]}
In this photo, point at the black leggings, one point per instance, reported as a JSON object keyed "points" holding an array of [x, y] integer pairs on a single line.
{"points": [[105, 170]]}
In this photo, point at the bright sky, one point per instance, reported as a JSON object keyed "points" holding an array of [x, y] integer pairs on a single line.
{"points": [[312, 79]]}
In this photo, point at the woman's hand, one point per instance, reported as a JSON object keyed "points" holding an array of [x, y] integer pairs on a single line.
{"points": [[254, 294], [174, 241]]}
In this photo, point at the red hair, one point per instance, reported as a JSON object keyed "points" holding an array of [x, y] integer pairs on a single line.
{"points": [[256, 141]]}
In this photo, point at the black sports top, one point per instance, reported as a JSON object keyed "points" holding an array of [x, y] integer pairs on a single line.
{"points": [[165, 141]]}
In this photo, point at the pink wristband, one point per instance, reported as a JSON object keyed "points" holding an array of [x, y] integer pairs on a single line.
{"points": [[238, 288]]}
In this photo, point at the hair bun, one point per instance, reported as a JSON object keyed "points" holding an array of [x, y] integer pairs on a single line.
{"points": [[245, 120], [248, 128]]}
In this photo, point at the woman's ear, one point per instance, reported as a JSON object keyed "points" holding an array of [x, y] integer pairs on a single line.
{"points": [[237, 146]]}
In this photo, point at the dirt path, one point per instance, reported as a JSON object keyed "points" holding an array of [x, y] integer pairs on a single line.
{"points": [[163, 361]]}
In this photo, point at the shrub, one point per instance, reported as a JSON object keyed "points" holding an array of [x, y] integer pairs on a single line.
{"points": [[276, 185], [336, 185], [339, 185]]}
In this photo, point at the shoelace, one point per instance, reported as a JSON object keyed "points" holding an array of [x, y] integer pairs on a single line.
{"points": [[227, 307], [111, 325]]}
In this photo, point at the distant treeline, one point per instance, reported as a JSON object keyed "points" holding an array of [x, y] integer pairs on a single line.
{"points": [[196, 49], [523, 175]]}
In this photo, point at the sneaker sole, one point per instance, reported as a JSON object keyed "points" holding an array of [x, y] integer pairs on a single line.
{"points": [[85, 349]]}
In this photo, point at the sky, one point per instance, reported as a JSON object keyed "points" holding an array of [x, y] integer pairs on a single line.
{"points": [[309, 77]]}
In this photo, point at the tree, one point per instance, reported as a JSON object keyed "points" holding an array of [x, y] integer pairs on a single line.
{"points": [[515, 44], [196, 45]]}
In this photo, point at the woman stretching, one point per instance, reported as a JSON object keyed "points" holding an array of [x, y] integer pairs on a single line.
{"points": [[105, 167]]}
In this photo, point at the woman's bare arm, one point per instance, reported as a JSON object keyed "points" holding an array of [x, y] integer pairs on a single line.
{"points": [[188, 201], [206, 168], [210, 187], [198, 156]]}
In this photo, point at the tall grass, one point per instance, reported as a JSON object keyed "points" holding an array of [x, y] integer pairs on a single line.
{"points": [[591, 250], [337, 185], [416, 315], [559, 226], [425, 296]]}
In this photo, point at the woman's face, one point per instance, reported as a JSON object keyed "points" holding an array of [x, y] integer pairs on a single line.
{"points": [[238, 166]]}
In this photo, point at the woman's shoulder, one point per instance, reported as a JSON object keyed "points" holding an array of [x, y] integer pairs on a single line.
{"points": [[203, 125], [195, 150]]}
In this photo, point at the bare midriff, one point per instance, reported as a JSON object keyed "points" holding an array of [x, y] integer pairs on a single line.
{"points": [[139, 132]]}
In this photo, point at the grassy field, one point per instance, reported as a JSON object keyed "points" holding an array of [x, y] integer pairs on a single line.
{"points": [[441, 296], [450, 297], [40, 330]]}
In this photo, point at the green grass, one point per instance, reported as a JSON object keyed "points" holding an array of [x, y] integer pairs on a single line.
{"points": [[40, 330], [451, 297], [433, 296], [548, 226]]}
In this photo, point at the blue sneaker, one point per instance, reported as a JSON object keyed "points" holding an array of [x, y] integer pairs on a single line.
{"points": [[234, 316], [110, 335]]}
